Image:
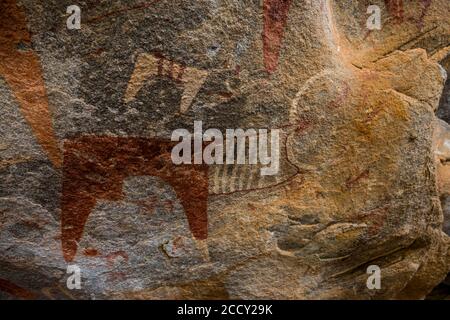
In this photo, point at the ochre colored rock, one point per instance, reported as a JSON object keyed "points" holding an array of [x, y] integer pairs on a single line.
{"points": [[87, 118]]}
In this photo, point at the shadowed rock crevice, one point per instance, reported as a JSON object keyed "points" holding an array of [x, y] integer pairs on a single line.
{"points": [[442, 291], [443, 111]]}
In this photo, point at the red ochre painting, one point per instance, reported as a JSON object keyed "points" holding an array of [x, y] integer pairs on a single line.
{"points": [[275, 19], [357, 187], [21, 68], [95, 168]]}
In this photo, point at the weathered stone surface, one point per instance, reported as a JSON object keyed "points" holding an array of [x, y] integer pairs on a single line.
{"points": [[85, 173]]}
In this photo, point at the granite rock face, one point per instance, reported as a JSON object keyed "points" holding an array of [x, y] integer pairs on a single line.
{"points": [[86, 177]]}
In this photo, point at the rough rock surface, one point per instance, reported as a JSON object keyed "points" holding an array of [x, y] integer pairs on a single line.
{"points": [[86, 115]]}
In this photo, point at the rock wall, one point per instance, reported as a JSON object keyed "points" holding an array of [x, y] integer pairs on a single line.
{"points": [[85, 139]]}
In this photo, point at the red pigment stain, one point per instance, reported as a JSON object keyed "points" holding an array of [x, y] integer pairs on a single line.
{"points": [[395, 9], [341, 98], [169, 68], [16, 291], [426, 5], [22, 71], [375, 218], [237, 70], [168, 205], [148, 203], [110, 258], [90, 252], [177, 243], [354, 180], [275, 19], [372, 115], [95, 168]]}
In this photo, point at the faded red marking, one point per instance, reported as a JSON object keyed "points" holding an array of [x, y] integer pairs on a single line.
{"points": [[275, 19], [22, 71], [373, 114], [110, 258], [95, 168], [148, 203], [237, 70], [90, 252], [302, 125], [167, 68], [426, 6], [341, 98], [168, 205], [354, 180], [98, 52], [298, 126], [375, 218], [395, 9], [177, 243], [16, 291]]}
